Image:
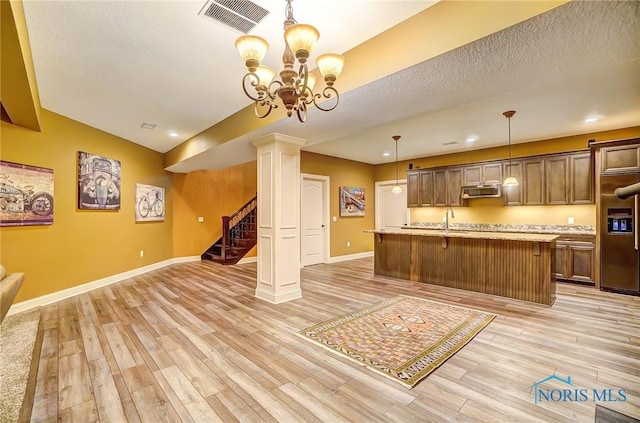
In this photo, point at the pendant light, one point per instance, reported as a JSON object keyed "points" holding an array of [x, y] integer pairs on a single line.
{"points": [[396, 188], [510, 180]]}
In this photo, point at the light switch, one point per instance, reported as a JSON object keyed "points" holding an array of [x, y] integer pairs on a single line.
{"points": [[571, 221], [335, 218]]}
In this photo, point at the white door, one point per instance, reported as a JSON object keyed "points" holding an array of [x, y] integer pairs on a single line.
{"points": [[313, 219], [391, 210]]}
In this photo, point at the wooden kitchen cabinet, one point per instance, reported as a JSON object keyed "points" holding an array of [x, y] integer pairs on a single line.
{"points": [[454, 187], [556, 177], [575, 259], [413, 188], [581, 177], [620, 159], [447, 187], [482, 174], [419, 188], [544, 180], [533, 182], [440, 190], [512, 195]]}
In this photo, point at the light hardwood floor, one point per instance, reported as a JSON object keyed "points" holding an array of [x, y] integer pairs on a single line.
{"points": [[190, 343]]}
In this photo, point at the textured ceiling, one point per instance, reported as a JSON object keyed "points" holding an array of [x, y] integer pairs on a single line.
{"points": [[116, 64], [113, 65]]}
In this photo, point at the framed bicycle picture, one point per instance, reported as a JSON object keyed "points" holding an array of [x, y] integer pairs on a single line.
{"points": [[149, 203]]}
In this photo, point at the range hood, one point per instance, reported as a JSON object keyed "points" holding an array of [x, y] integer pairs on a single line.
{"points": [[481, 191]]}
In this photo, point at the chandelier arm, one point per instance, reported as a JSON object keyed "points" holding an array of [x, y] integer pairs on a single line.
{"points": [[301, 111], [258, 104], [251, 79], [328, 92], [302, 83], [274, 87]]}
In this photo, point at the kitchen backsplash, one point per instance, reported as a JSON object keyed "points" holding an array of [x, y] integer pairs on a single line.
{"points": [[507, 227]]}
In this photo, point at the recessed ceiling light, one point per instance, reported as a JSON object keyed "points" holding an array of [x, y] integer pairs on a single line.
{"points": [[472, 138], [385, 154], [173, 134], [591, 119]]}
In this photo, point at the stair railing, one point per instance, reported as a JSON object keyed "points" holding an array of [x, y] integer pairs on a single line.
{"points": [[228, 222]]}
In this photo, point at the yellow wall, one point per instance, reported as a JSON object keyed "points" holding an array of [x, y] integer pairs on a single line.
{"points": [[210, 194], [82, 246], [345, 173], [492, 210]]}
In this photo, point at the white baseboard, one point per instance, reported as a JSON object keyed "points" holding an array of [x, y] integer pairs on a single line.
{"points": [[245, 260], [355, 256], [90, 286]]}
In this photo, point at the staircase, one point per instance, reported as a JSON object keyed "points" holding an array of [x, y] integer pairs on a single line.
{"points": [[239, 234]]}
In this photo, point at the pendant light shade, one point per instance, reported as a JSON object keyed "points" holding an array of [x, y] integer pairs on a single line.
{"points": [[397, 189], [510, 180]]}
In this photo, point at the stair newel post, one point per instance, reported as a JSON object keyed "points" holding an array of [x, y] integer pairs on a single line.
{"points": [[225, 235]]}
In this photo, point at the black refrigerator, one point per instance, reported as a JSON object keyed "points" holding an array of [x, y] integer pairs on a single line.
{"points": [[619, 255]]}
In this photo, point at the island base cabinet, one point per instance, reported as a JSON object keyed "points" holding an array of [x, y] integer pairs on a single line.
{"points": [[522, 270]]}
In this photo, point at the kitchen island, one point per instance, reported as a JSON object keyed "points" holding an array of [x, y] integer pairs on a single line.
{"points": [[514, 265]]}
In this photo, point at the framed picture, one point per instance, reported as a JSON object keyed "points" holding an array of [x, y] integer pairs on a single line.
{"points": [[351, 201], [98, 182], [149, 203], [26, 195]]}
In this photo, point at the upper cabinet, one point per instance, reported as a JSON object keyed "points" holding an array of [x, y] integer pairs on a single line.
{"points": [[544, 180], [419, 188], [581, 177], [621, 159], [556, 175], [454, 187], [440, 188], [482, 174], [513, 194], [533, 182]]}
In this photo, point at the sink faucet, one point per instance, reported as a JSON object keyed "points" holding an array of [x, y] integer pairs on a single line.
{"points": [[446, 218]]}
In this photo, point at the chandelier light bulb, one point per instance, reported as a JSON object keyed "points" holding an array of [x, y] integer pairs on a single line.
{"points": [[301, 39], [330, 66], [265, 75], [252, 50]]}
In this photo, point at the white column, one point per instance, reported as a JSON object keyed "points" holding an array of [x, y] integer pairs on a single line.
{"points": [[278, 218]]}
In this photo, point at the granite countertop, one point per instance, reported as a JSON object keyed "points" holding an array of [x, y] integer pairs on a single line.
{"points": [[574, 230], [510, 236]]}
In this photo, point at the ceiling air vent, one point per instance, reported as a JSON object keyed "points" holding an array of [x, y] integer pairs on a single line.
{"points": [[450, 143], [241, 15]]}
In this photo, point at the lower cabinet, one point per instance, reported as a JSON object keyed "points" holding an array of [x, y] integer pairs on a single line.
{"points": [[575, 259]]}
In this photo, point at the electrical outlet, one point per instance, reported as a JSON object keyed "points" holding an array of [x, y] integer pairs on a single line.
{"points": [[348, 243], [200, 219], [571, 221], [141, 253]]}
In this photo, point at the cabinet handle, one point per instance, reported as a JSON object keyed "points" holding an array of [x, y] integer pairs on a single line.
{"points": [[635, 225]]}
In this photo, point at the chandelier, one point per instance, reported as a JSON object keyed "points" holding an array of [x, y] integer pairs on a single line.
{"points": [[295, 89]]}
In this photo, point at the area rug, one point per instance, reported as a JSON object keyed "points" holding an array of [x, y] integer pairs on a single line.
{"points": [[404, 338], [17, 338]]}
